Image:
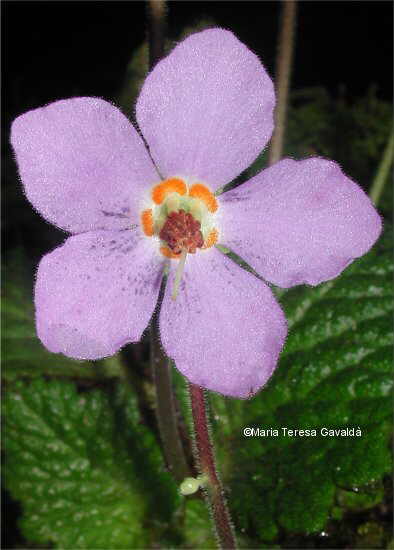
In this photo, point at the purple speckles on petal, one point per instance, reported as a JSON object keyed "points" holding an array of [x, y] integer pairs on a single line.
{"points": [[88, 300], [82, 164]]}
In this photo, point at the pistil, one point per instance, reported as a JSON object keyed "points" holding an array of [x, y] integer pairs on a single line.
{"points": [[182, 219], [179, 273]]}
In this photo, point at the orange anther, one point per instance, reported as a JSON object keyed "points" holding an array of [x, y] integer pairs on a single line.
{"points": [[199, 191], [169, 253], [211, 239], [171, 185], [147, 222]]}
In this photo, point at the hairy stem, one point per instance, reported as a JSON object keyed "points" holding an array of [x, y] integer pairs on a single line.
{"points": [[207, 468], [165, 406], [161, 368], [383, 170], [157, 30], [282, 77]]}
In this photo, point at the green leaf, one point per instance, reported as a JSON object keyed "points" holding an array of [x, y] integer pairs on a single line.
{"points": [[23, 353], [197, 527], [335, 372], [87, 473]]}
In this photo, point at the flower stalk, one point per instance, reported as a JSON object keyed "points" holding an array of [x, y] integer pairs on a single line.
{"points": [[165, 406], [283, 73], [207, 468], [160, 364], [383, 170], [157, 30]]}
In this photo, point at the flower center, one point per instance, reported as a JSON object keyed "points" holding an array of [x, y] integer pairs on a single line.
{"points": [[182, 218], [182, 232]]}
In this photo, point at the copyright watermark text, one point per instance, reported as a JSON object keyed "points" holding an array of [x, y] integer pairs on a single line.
{"points": [[250, 431]]}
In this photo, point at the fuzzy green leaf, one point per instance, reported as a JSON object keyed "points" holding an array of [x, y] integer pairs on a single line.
{"points": [[335, 372], [197, 526], [87, 473]]}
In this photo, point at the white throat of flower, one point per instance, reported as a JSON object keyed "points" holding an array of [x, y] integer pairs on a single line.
{"points": [[183, 219]]}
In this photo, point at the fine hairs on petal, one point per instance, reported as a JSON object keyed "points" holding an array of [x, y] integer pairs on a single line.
{"points": [[316, 221], [69, 151]]}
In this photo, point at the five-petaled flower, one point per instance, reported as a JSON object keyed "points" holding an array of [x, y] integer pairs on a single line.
{"points": [[205, 111]]}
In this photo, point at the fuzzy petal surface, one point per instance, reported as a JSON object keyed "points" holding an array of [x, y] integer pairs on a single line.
{"points": [[206, 110], [225, 329], [299, 222], [96, 293], [82, 164]]}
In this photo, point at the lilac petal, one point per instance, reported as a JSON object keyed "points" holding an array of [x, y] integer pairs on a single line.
{"points": [[206, 110], [96, 293], [225, 329], [299, 222], [82, 164]]}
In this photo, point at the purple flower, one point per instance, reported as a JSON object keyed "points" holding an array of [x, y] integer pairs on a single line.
{"points": [[206, 111]]}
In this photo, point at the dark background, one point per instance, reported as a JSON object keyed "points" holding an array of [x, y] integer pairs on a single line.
{"points": [[53, 50]]}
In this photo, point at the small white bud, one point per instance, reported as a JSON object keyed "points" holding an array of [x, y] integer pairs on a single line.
{"points": [[189, 486]]}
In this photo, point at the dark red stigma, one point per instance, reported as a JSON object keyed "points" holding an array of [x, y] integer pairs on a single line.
{"points": [[182, 232]]}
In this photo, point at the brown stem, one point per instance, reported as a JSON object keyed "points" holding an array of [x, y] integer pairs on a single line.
{"points": [[207, 468], [165, 407], [282, 77], [157, 30]]}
